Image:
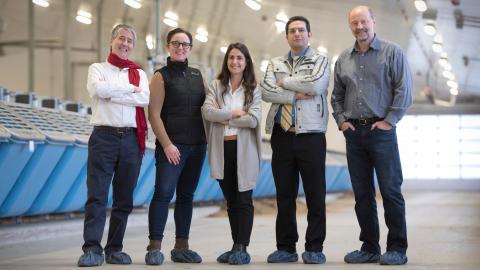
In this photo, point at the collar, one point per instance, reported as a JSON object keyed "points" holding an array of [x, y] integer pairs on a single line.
{"points": [[308, 52], [230, 89], [181, 66], [302, 54], [374, 45]]}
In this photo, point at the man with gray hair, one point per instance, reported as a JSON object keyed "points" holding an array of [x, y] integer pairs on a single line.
{"points": [[119, 91], [372, 92]]}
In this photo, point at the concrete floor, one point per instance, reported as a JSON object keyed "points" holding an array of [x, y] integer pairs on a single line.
{"points": [[443, 229]]}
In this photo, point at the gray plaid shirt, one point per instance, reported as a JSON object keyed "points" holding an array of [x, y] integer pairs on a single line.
{"points": [[377, 83]]}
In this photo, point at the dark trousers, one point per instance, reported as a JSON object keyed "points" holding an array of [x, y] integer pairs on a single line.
{"points": [[239, 204], [110, 154], [184, 179], [294, 154], [377, 150]]}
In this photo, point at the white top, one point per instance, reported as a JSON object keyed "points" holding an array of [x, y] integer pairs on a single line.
{"points": [[233, 100], [113, 99]]}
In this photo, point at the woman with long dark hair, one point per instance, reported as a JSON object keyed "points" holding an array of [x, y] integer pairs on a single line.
{"points": [[232, 111]]}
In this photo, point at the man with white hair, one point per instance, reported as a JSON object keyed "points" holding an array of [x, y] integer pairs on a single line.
{"points": [[119, 91]]}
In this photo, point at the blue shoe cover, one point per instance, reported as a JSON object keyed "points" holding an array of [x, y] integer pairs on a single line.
{"points": [[313, 257], [224, 257], [90, 258], [239, 258], [154, 257], [185, 256], [282, 256]]}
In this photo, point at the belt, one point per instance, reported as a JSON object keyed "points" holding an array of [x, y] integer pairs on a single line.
{"points": [[365, 121], [115, 130], [230, 138]]}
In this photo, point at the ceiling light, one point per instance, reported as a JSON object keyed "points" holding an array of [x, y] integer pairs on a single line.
{"points": [[201, 35], [253, 4], [430, 28], [84, 17], [420, 5], [454, 91], [443, 61], [171, 15], [437, 47], [438, 38], [321, 49], [41, 3], [133, 3], [452, 84], [223, 49], [447, 66], [264, 65], [280, 26], [150, 41], [280, 22], [171, 19], [201, 38], [448, 74], [170, 22]]}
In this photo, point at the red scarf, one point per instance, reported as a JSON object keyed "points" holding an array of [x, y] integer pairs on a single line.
{"points": [[134, 78]]}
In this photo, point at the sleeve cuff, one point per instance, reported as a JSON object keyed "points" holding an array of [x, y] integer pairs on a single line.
{"points": [[391, 119]]}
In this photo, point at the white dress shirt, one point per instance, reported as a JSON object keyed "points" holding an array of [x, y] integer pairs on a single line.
{"points": [[113, 99], [233, 100]]}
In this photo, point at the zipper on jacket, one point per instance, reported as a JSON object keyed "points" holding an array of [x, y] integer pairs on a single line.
{"points": [[323, 109], [187, 83]]}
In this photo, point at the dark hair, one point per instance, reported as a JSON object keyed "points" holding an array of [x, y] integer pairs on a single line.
{"points": [[249, 81], [179, 30], [297, 18]]}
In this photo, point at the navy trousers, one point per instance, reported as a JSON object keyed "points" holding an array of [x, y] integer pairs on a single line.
{"points": [[117, 155], [369, 151]]}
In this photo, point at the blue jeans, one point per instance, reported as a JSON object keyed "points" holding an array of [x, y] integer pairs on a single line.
{"points": [[184, 179], [369, 150], [110, 154]]}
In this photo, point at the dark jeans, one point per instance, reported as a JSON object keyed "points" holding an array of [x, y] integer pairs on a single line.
{"points": [[117, 155], [184, 179], [294, 154], [377, 150], [239, 204]]}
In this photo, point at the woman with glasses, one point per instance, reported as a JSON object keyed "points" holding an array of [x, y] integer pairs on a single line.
{"points": [[232, 110], [177, 94]]}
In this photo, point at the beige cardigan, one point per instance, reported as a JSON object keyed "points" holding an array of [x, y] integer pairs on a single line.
{"points": [[248, 136]]}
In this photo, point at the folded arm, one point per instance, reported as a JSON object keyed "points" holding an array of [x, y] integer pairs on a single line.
{"points": [[98, 86]]}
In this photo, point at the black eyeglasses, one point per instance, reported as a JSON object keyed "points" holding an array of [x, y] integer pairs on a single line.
{"points": [[177, 44]]}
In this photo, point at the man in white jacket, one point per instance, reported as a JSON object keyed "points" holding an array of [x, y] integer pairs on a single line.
{"points": [[296, 85]]}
